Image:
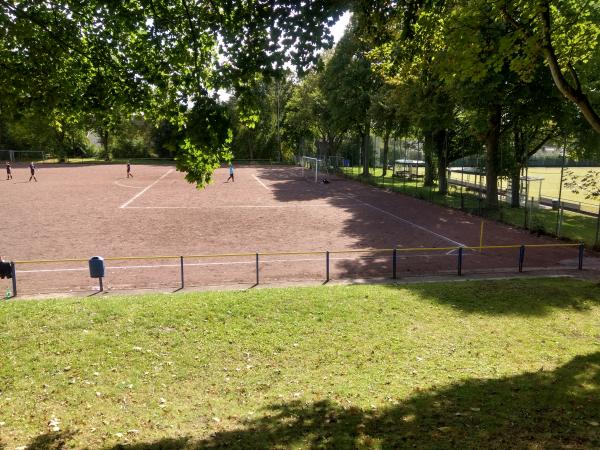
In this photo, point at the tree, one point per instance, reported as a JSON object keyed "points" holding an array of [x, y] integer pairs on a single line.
{"points": [[388, 117], [155, 57], [565, 34], [309, 115], [348, 85]]}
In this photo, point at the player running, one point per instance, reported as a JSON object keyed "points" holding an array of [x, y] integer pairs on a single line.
{"points": [[8, 171], [230, 173], [32, 170], [129, 174]]}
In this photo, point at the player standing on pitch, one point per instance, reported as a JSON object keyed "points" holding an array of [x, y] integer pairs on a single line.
{"points": [[8, 171], [32, 170], [129, 174], [230, 173]]}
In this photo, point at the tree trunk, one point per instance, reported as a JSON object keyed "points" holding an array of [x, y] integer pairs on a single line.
{"points": [[515, 182], [386, 148], [492, 145], [428, 149], [574, 94], [366, 148], [104, 142], [440, 141]]}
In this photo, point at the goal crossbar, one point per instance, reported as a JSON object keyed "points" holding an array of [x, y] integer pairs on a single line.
{"points": [[21, 155], [311, 164]]}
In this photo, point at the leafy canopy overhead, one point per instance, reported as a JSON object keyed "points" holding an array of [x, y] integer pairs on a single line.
{"points": [[156, 57]]}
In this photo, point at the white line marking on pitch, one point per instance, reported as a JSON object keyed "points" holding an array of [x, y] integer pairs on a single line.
{"points": [[124, 205], [157, 266], [297, 205], [126, 186], [427, 230], [261, 183]]}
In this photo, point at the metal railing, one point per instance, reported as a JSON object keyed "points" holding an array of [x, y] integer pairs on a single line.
{"points": [[257, 257]]}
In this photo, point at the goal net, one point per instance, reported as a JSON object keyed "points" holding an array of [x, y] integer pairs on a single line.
{"points": [[313, 168], [335, 163], [22, 155]]}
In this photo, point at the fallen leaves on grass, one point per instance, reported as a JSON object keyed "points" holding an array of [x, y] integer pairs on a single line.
{"points": [[54, 425]]}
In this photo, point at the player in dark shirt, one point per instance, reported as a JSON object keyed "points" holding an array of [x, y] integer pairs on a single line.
{"points": [[8, 171], [129, 174], [32, 170]]}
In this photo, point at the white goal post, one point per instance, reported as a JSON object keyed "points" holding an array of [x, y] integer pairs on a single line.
{"points": [[312, 165], [22, 155]]}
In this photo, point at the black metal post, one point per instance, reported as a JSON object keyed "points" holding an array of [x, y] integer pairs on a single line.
{"points": [[101, 287], [521, 257], [562, 170], [581, 250], [394, 264], [327, 266], [460, 256], [257, 278], [597, 228], [14, 278], [181, 265]]}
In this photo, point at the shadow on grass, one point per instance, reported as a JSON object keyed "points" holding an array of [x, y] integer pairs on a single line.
{"points": [[544, 409], [521, 298], [51, 441]]}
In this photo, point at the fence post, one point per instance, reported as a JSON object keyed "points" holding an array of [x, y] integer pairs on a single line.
{"points": [[257, 278], [521, 257], [597, 228], [530, 213], [581, 250], [181, 265], [327, 266], [560, 218], [14, 278], [394, 264], [460, 255]]}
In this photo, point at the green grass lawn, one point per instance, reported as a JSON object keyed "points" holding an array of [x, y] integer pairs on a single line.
{"points": [[551, 185], [489, 364]]}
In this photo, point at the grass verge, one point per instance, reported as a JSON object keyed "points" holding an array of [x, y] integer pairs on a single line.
{"points": [[487, 364]]}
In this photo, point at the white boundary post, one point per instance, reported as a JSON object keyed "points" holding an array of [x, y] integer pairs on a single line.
{"points": [[315, 161]]}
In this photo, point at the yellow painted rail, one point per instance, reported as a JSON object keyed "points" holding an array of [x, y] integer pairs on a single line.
{"points": [[295, 253], [255, 256]]}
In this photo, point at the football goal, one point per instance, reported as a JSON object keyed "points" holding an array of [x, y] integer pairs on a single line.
{"points": [[22, 155], [312, 168]]}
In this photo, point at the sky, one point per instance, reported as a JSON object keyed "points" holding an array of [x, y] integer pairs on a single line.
{"points": [[340, 26]]}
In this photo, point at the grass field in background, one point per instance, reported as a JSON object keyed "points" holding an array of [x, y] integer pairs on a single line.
{"points": [[487, 364], [550, 184], [576, 227]]}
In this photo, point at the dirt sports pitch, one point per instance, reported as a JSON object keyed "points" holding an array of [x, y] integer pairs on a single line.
{"points": [[81, 211]]}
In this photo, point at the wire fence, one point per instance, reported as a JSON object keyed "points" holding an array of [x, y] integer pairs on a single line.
{"points": [[178, 272], [546, 213]]}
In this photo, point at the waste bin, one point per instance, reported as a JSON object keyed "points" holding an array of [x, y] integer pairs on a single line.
{"points": [[555, 205], [96, 267]]}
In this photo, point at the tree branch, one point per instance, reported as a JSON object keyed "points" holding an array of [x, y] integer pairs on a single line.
{"points": [[195, 44], [573, 94], [546, 138], [575, 77]]}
